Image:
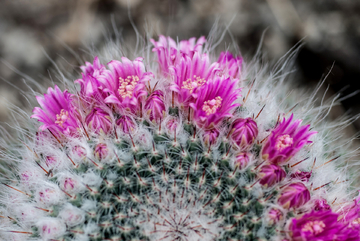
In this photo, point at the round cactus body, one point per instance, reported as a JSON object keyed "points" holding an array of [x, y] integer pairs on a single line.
{"points": [[179, 148]]}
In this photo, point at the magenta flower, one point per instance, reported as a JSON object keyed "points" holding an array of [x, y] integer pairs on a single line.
{"points": [[215, 102], [271, 174], [95, 69], [321, 226], [294, 195], [242, 159], [286, 140], [155, 106], [126, 124], [190, 75], [57, 112], [91, 87], [229, 65], [244, 131], [169, 53], [126, 84], [321, 205], [98, 120]]}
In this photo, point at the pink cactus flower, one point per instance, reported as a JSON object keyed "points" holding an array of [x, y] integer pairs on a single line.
{"points": [[215, 102], [286, 140], [271, 174], [230, 65], [95, 69], [91, 86], [321, 205], [101, 151], [321, 225], [190, 75], [244, 132], [242, 159], [56, 112], [155, 106], [126, 124], [98, 120], [169, 53], [294, 195], [126, 84]]}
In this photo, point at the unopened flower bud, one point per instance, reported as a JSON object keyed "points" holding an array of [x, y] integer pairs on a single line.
{"points": [[155, 106], [71, 215], [79, 151], [126, 124], [243, 159], [51, 161], [294, 195], [302, 176], [321, 205], [101, 151], [271, 174], [210, 136], [244, 132], [51, 228], [98, 120], [275, 215]]}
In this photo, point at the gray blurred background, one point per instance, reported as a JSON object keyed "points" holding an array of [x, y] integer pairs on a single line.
{"points": [[31, 28]]}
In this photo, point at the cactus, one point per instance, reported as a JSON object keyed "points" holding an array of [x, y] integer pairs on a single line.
{"points": [[186, 148]]}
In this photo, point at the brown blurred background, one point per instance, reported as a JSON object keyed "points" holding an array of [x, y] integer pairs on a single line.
{"points": [[31, 28]]}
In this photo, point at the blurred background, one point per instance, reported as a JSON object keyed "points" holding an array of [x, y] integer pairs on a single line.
{"points": [[32, 29]]}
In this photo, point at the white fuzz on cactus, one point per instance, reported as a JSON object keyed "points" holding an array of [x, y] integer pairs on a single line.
{"points": [[181, 145]]}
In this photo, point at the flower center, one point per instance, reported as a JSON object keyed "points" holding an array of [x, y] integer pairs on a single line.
{"points": [[62, 117], [211, 106], [126, 86], [191, 84], [315, 227], [283, 141]]}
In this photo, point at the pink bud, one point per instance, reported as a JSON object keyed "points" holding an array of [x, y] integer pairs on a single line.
{"points": [[210, 136], [50, 161], [244, 131], [275, 215], [294, 195], [155, 106], [271, 174], [79, 151], [68, 184], [321, 205], [302, 176], [101, 151], [98, 120], [126, 124], [51, 228], [243, 159], [171, 125]]}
